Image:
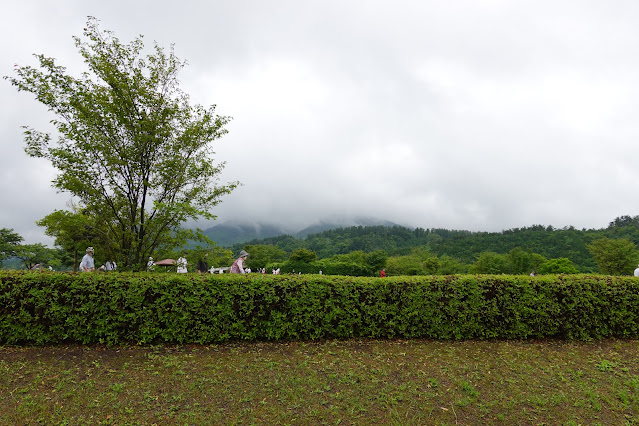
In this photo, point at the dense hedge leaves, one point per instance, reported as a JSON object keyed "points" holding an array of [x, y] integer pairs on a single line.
{"points": [[118, 308]]}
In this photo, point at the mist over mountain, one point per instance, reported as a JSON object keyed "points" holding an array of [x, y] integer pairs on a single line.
{"points": [[234, 232]]}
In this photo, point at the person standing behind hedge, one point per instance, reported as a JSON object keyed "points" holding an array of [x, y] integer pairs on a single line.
{"points": [[181, 264], [202, 265], [238, 265], [88, 264]]}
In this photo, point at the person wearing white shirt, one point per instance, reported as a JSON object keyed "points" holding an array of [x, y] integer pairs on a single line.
{"points": [[181, 265], [110, 266], [88, 264]]}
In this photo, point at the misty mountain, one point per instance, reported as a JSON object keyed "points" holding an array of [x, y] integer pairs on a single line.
{"points": [[230, 233]]}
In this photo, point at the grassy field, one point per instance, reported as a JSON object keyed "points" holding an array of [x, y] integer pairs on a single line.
{"points": [[403, 382]]}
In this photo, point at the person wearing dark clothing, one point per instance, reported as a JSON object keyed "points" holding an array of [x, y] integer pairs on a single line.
{"points": [[202, 265]]}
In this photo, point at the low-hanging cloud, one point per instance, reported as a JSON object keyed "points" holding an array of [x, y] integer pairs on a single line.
{"points": [[463, 115]]}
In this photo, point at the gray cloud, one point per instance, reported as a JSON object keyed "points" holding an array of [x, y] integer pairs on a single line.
{"points": [[481, 115]]}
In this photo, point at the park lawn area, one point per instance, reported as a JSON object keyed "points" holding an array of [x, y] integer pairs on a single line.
{"points": [[404, 382]]}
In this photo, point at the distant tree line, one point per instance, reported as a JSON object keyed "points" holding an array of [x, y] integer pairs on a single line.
{"points": [[365, 250], [406, 251], [15, 255]]}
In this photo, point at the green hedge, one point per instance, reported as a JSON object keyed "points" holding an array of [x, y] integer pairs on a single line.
{"points": [[146, 308]]}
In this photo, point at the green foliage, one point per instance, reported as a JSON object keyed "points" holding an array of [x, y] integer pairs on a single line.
{"points": [[33, 254], [131, 148], [404, 265], [536, 243], [120, 308], [74, 232], [557, 266], [450, 266], [376, 259], [492, 263], [614, 256], [262, 255], [219, 257], [523, 262], [9, 241], [303, 255], [517, 261]]}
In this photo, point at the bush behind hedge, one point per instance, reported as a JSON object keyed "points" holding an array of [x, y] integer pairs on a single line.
{"points": [[146, 308]]}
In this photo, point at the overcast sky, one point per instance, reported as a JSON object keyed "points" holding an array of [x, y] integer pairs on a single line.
{"points": [[465, 114]]}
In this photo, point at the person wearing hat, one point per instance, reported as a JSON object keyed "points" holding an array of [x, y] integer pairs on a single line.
{"points": [[238, 265], [87, 264], [150, 265]]}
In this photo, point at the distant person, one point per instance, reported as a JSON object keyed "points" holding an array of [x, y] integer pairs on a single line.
{"points": [[383, 273], [110, 265], [637, 271], [238, 265], [532, 274], [202, 265], [182, 264], [88, 264], [150, 265]]}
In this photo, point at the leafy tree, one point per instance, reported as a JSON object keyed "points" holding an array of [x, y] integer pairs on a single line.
{"points": [[404, 265], [9, 243], [131, 147], [523, 262], [303, 255], [429, 261], [32, 254], [614, 256], [62, 261], [431, 265], [376, 259], [492, 263], [74, 232], [449, 266], [624, 221], [220, 257], [557, 266], [262, 255]]}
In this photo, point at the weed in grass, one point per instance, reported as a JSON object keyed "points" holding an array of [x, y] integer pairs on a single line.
{"points": [[469, 390], [606, 365]]}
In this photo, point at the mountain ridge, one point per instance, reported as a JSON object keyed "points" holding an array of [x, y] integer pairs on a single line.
{"points": [[229, 233]]}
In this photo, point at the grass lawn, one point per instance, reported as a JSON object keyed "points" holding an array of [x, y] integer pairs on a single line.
{"points": [[403, 382]]}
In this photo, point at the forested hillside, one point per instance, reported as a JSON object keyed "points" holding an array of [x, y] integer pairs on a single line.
{"points": [[464, 246]]}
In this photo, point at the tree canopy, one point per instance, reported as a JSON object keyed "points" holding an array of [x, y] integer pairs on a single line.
{"points": [[9, 243], [130, 147], [442, 251], [614, 256]]}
